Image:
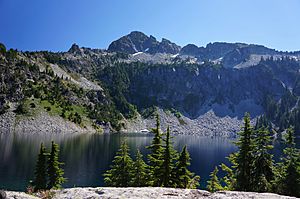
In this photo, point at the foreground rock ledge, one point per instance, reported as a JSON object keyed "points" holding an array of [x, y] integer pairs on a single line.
{"points": [[145, 192]]}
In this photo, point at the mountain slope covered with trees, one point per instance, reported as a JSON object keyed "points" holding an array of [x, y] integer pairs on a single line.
{"points": [[117, 88]]}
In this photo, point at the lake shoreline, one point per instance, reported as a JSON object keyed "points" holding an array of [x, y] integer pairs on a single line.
{"points": [[44, 123], [208, 124]]}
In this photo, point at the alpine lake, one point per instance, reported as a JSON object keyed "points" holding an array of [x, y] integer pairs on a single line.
{"points": [[87, 156]]}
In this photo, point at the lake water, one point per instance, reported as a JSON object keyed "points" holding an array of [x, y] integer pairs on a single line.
{"points": [[88, 156]]}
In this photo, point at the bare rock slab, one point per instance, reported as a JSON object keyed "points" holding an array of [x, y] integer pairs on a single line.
{"points": [[146, 193], [157, 192]]}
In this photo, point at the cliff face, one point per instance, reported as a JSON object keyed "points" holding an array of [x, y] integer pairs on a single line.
{"points": [[192, 91], [146, 193]]}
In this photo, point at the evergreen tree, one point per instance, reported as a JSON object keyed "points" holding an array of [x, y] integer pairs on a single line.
{"points": [[55, 172], [213, 184], [2, 49], [168, 164], [140, 171], [155, 156], [262, 122], [40, 179], [194, 182], [242, 160], [120, 174], [263, 164], [229, 179], [287, 180], [184, 176]]}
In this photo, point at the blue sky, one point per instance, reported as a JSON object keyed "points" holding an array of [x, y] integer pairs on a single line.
{"points": [[56, 24]]}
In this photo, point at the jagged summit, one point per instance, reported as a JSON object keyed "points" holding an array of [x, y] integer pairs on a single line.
{"points": [[139, 42], [231, 55], [148, 49], [74, 48]]}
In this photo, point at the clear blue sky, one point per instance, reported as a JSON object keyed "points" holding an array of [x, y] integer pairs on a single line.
{"points": [[56, 24]]}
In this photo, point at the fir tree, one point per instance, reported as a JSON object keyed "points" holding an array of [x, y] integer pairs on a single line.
{"points": [[242, 160], [140, 171], [40, 179], [263, 164], [120, 174], [288, 172], [169, 156], [155, 156], [184, 176], [2, 49], [213, 184], [194, 182], [229, 178], [55, 172]]}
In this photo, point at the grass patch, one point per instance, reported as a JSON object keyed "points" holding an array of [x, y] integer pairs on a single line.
{"points": [[33, 106], [79, 109], [52, 109]]}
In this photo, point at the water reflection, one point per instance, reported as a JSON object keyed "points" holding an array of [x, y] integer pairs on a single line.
{"points": [[87, 156]]}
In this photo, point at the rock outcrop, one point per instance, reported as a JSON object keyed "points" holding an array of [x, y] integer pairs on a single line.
{"points": [[147, 193], [230, 54], [139, 42], [195, 91]]}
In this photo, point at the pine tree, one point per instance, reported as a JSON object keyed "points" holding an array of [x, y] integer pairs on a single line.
{"points": [[55, 172], [40, 180], [184, 176], [287, 180], [213, 184], [242, 160], [168, 164], [120, 174], [140, 171], [263, 164], [155, 156]]}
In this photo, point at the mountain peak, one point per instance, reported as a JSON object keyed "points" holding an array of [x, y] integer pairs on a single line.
{"points": [[74, 48], [137, 33], [137, 41]]}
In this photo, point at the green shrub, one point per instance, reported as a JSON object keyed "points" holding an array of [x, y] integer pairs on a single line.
{"points": [[21, 109]]}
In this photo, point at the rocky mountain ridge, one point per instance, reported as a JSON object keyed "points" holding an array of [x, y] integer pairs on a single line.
{"points": [[124, 86], [232, 55]]}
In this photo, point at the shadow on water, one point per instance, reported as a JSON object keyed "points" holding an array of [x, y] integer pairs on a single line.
{"points": [[88, 156]]}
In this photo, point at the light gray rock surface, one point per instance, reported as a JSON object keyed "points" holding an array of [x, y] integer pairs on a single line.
{"points": [[19, 195], [147, 193], [40, 123], [208, 124], [81, 81]]}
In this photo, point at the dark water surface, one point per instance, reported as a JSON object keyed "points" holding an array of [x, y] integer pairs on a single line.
{"points": [[86, 156]]}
